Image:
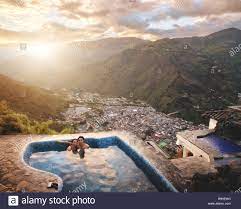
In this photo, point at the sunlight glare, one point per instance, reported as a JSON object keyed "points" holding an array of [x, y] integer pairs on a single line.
{"points": [[42, 51]]}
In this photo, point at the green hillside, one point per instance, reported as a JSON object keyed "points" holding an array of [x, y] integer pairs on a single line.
{"points": [[37, 103], [12, 122], [189, 75]]}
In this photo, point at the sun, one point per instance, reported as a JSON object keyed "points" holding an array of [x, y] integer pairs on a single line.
{"points": [[42, 51]]}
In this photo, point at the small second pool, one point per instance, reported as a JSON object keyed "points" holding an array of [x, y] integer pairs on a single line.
{"points": [[220, 144]]}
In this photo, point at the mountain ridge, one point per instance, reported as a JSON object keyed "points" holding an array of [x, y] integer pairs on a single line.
{"points": [[189, 75]]}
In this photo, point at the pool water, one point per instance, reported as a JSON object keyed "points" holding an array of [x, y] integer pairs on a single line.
{"points": [[220, 144], [102, 170]]}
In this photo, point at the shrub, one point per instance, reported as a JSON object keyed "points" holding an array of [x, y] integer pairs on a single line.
{"points": [[18, 123]]}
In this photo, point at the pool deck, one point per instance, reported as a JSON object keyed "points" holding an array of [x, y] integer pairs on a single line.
{"points": [[17, 176]]}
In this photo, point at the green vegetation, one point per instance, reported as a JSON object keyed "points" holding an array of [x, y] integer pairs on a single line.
{"points": [[12, 122], [37, 103], [162, 145], [30, 110]]}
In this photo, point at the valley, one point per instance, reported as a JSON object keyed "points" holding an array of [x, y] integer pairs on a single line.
{"points": [[94, 113], [187, 76]]}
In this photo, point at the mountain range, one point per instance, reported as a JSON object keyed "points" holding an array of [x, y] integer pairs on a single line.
{"points": [[183, 75]]}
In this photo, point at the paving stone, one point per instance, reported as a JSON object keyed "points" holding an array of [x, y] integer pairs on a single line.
{"points": [[23, 186]]}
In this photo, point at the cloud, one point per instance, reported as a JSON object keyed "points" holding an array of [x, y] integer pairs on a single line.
{"points": [[195, 8], [92, 19], [17, 3]]}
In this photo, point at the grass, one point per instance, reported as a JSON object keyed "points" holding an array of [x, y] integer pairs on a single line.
{"points": [[12, 122]]}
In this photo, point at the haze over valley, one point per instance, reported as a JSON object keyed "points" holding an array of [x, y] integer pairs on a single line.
{"points": [[187, 75]]}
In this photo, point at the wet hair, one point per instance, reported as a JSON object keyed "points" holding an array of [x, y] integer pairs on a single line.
{"points": [[81, 137]]}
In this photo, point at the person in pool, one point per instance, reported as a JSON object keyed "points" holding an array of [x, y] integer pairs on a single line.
{"points": [[77, 146]]}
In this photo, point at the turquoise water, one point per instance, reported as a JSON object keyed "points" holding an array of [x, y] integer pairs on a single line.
{"points": [[102, 170]]}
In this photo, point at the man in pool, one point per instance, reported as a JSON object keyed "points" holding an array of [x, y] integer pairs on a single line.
{"points": [[82, 146]]}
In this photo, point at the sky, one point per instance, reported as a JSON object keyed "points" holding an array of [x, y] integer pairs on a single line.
{"points": [[86, 20]]}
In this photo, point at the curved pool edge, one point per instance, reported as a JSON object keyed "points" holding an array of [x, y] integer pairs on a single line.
{"points": [[26, 151]]}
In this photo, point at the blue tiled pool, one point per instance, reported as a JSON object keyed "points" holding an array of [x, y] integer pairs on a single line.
{"points": [[110, 165], [220, 144]]}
